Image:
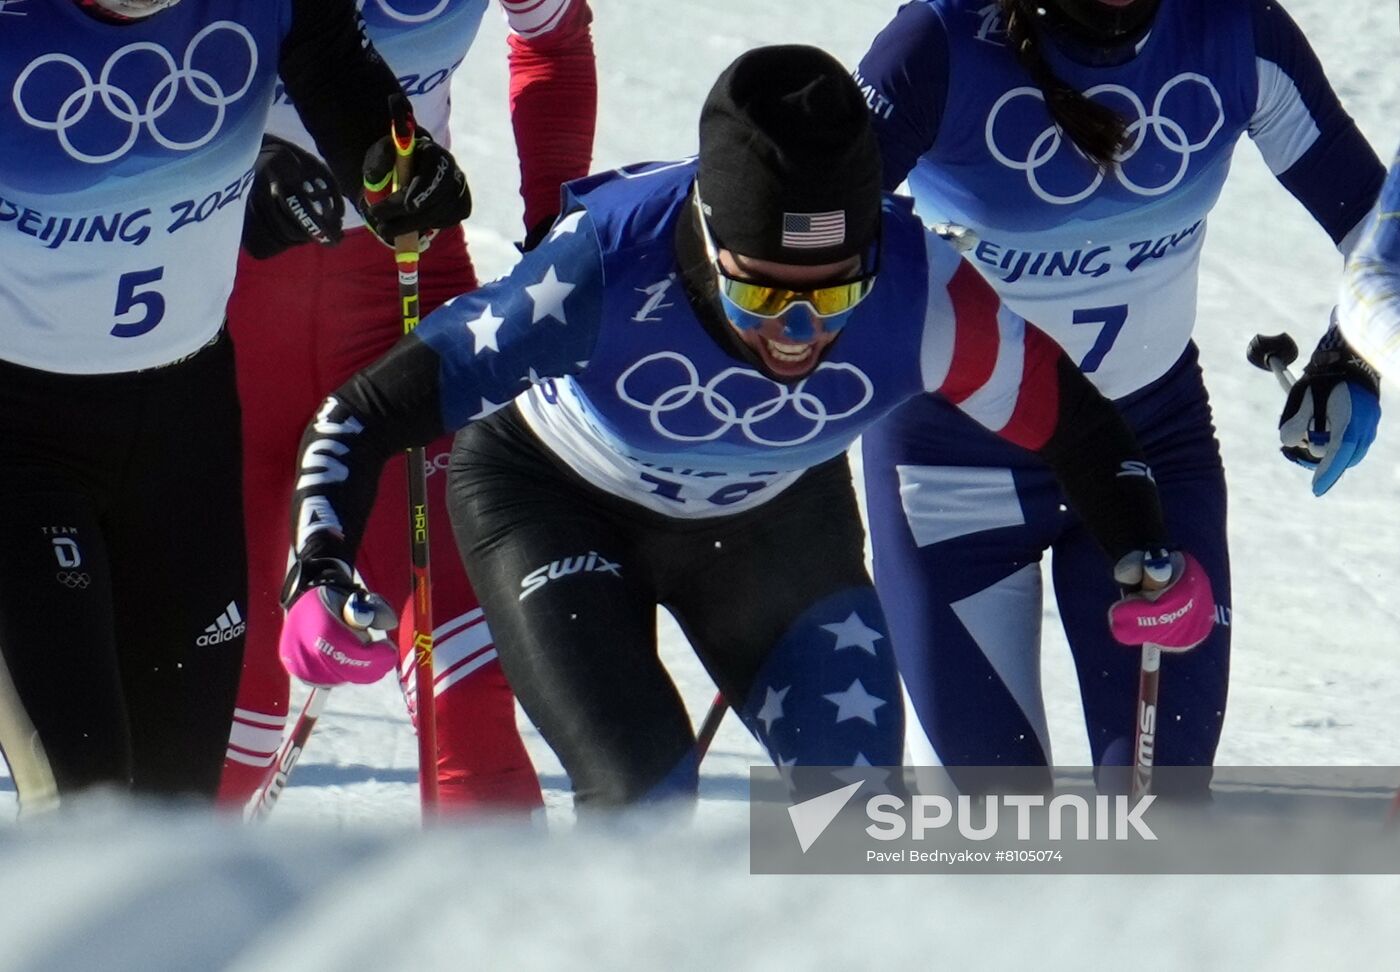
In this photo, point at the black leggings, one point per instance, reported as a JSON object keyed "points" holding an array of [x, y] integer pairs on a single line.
{"points": [[570, 578], [122, 576]]}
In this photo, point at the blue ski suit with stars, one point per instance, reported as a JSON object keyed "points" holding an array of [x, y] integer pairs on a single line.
{"points": [[645, 460]]}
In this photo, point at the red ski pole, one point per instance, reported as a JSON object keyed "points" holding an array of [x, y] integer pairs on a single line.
{"points": [[1145, 733], [406, 257], [276, 780], [403, 130]]}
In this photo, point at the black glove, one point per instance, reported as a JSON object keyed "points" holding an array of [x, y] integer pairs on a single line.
{"points": [[294, 199], [1330, 416], [436, 196], [304, 574]]}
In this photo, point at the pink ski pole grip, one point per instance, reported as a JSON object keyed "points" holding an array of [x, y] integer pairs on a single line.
{"points": [[1177, 618], [319, 648]]}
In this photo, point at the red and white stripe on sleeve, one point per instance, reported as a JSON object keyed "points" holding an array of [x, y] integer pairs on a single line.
{"points": [[983, 357], [553, 98], [532, 18]]}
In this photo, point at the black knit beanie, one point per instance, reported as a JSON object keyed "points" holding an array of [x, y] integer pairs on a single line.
{"points": [[789, 169]]}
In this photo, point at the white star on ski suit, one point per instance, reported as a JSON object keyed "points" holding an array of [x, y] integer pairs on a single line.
{"points": [[854, 633], [875, 780], [567, 224], [772, 709], [487, 407], [548, 296], [855, 703], [484, 330]]}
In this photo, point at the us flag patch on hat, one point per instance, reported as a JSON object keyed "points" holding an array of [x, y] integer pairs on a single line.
{"points": [[814, 230]]}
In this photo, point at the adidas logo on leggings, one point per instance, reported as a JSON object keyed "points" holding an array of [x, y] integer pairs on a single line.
{"points": [[227, 626]]}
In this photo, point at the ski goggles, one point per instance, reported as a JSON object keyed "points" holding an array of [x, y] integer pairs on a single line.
{"points": [[751, 302]]}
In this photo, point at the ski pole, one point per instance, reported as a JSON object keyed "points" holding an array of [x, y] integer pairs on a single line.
{"points": [[1145, 733], [356, 613], [1274, 352], [403, 131], [281, 770], [710, 726], [406, 257]]}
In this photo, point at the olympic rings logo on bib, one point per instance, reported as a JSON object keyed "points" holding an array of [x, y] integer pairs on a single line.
{"points": [[74, 579], [130, 109], [394, 13], [780, 416], [1166, 132]]}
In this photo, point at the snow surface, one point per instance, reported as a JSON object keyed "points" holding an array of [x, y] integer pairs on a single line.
{"points": [[342, 878]]}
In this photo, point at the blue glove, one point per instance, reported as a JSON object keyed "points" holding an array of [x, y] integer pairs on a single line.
{"points": [[1329, 419]]}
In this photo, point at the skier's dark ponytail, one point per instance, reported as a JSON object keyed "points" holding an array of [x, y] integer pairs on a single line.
{"points": [[1098, 131]]}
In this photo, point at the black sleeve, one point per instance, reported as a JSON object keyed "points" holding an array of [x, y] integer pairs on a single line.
{"points": [[339, 84], [466, 359], [1101, 468], [389, 406]]}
